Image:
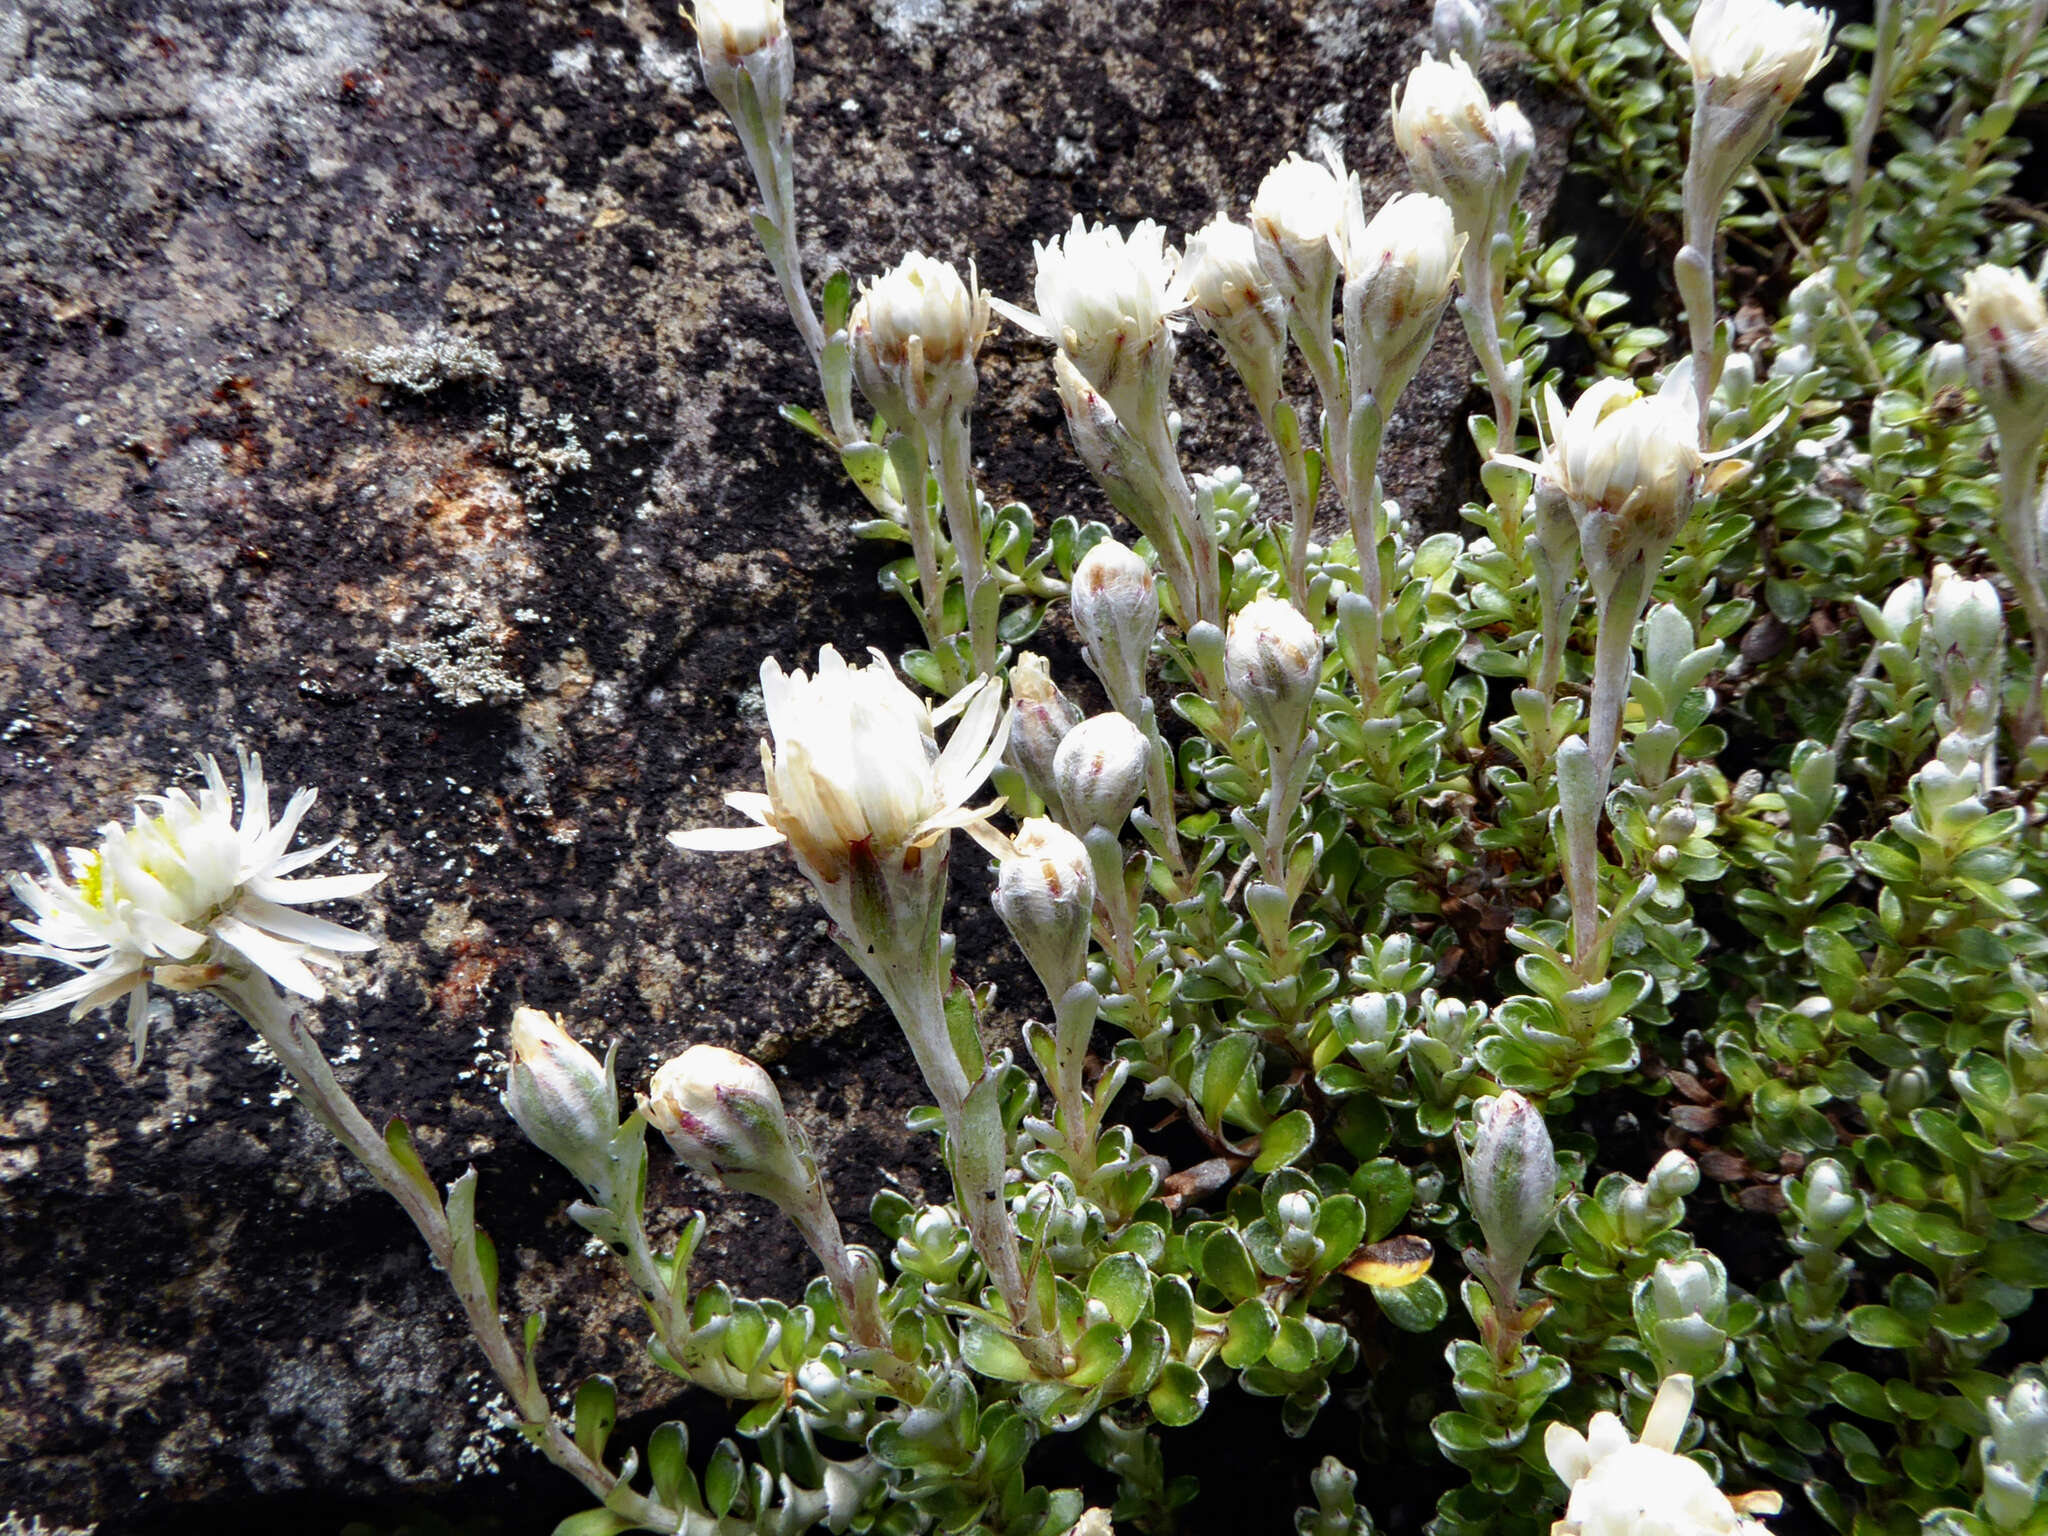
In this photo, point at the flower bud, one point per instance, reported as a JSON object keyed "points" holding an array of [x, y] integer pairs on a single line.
{"points": [[2005, 341], [1115, 602], [1398, 271], [1681, 1308], [750, 36], [1517, 140], [1445, 127], [1946, 368], [1673, 1178], [1038, 724], [721, 1116], [1458, 26], [914, 335], [1237, 303], [1294, 218], [1510, 1180], [563, 1100], [1045, 895], [1273, 660], [1965, 626], [1100, 772]]}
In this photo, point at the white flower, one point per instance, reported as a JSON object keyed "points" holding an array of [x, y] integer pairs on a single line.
{"points": [[1629, 465], [1754, 51], [914, 334], [855, 766], [1294, 219], [738, 28], [1236, 302], [1644, 1487], [188, 887], [1398, 270], [2005, 344], [1110, 301], [1446, 130], [1749, 59]]}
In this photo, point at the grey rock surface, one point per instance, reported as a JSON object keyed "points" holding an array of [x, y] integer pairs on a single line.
{"points": [[391, 387]]}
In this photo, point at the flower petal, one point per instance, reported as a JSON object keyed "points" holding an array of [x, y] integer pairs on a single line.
{"points": [[275, 957], [299, 893], [724, 839], [302, 927]]}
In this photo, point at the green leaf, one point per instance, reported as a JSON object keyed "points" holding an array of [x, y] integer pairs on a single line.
{"points": [[597, 1522], [1415, 1308], [1882, 1328], [1179, 1396], [668, 1462], [1284, 1140], [596, 1411], [1227, 1266]]}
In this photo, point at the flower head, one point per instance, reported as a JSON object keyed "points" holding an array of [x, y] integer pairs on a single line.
{"points": [[745, 37], [1749, 59], [2005, 344], [1629, 465], [1447, 132], [1235, 301], [1398, 269], [1045, 895], [1644, 1487], [1110, 301], [1294, 218], [191, 889], [721, 1115], [1272, 660], [914, 333], [855, 767], [563, 1099]]}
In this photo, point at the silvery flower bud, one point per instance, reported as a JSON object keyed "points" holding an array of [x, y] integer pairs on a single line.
{"points": [[1681, 1311], [1946, 367], [1045, 895], [914, 334], [1295, 1214], [1965, 633], [1673, 1178], [1294, 217], [1238, 304], [1510, 1180], [1115, 601], [1100, 772], [720, 1114], [1676, 824], [1458, 26], [1038, 724], [1273, 661], [1398, 271], [2005, 341], [563, 1100], [750, 36], [1445, 127], [1517, 140]]}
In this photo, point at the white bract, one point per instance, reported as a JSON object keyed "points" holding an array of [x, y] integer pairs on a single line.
{"points": [[1644, 1487], [855, 767], [189, 888], [737, 28]]}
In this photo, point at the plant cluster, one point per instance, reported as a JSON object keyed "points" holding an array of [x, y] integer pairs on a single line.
{"points": [[1694, 786]]}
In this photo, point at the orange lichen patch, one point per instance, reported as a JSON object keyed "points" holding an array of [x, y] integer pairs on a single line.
{"points": [[472, 964]]}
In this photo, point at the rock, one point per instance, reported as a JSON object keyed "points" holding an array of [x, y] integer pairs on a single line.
{"points": [[391, 387]]}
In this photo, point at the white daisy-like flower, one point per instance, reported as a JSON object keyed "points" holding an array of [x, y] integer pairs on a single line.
{"points": [[1111, 301], [189, 887], [854, 765], [1621, 1487]]}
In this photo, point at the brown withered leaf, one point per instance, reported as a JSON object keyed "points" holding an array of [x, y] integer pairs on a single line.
{"points": [[1393, 1262]]}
